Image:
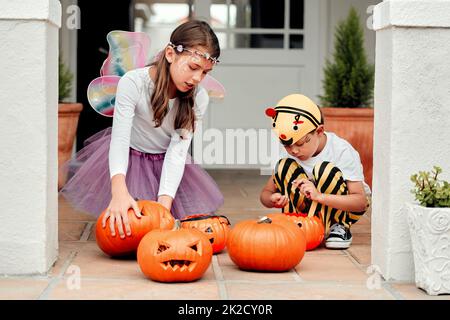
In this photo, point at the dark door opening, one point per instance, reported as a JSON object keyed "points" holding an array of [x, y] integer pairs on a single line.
{"points": [[97, 19]]}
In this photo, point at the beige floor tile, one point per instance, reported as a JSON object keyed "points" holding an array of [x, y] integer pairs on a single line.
{"points": [[22, 288], [361, 238], [329, 268], [361, 253], [232, 272], [70, 230], [94, 263], [224, 259], [304, 291], [92, 234], [409, 291], [67, 212], [65, 251], [321, 250], [140, 289], [361, 228]]}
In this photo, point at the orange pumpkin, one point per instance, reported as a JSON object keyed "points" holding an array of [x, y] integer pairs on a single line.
{"points": [[167, 221], [178, 255], [266, 245], [215, 227], [151, 212], [312, 226]]}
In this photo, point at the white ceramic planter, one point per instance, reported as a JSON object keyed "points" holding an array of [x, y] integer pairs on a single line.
{"points": [[430, 236]]}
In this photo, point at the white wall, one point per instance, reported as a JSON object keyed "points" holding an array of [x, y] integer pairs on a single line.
{"points": [[28, 135], [412, 122]]}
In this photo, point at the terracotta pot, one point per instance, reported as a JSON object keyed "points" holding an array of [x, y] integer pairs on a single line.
{"points": [[356, 126], [68, 115]]}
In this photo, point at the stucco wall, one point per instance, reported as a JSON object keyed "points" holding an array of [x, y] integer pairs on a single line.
{"points": [[412, 122], [28, 135]]}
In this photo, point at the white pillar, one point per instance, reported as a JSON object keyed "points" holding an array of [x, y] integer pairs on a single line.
{"points": [[412, 119], [28, 135]]}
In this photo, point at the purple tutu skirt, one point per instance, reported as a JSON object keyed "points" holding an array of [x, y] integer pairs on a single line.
{"points": [[89, 186]]}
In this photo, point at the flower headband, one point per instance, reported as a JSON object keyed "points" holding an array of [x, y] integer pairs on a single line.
{"points": [[179, 48]]}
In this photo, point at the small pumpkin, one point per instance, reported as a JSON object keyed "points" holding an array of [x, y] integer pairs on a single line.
{"points": [[152, 213], [177, 255], [215, 227], [266, 245], [312, 226]]}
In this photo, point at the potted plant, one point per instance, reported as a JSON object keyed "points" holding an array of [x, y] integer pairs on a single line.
{"points": [[68, 115], [348, 91], [429, 225]]}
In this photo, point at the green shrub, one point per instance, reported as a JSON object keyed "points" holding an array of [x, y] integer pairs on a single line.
{"points": [[64, 81], [349, 80], [429, 190]]}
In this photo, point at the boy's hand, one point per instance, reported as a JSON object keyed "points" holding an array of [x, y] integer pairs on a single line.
{"points": [[307, 188], [278, 200]]}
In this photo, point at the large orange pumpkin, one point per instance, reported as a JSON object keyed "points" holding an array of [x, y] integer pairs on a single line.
{"points": [[266, 244], [312, 226], [151, 211], [177, 255], [215, 227]]}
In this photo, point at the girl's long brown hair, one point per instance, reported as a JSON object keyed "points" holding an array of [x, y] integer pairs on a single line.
{"points": [[190, 34]]}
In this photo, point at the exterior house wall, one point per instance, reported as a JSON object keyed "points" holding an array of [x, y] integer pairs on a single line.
{"points": [[412, 123], [28, 135]]}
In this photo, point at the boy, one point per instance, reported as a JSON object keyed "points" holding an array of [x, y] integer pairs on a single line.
{"points": [[322, 175]]}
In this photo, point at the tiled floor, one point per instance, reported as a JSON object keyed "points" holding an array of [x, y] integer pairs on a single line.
{"points": [[82, 271]]}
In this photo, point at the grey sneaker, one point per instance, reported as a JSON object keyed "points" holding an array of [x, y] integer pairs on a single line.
{"points": [[339, 237]]}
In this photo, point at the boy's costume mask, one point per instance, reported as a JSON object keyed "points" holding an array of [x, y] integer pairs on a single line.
{"points": [[294, 117]]}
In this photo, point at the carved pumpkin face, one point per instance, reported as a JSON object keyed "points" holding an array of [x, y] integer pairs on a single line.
{"points": [[179, 255], [311, 226], [215, 227], [115, 246], [266, 245]]}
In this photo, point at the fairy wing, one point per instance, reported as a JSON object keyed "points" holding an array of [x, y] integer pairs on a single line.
{"points": [[101, 94], [214, 88], [128, 51]]}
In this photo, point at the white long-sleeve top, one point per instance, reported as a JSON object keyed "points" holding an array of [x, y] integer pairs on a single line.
{"points": [[133, 127]]}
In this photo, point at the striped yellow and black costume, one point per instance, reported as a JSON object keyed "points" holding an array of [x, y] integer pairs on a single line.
{"points": [[328, 179]]}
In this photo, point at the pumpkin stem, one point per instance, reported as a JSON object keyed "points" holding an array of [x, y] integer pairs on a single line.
{"points": [[177, 225], [265, 219]]}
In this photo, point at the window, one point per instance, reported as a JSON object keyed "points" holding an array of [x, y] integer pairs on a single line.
{"points": [[258, 23]]}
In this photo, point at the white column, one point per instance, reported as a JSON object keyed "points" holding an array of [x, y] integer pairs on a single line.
{"points": [[412, 119], [28, 135]]}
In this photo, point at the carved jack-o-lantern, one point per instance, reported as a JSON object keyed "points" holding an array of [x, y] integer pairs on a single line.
{"points": [[152, 213], [215, 227], [178, 255]]}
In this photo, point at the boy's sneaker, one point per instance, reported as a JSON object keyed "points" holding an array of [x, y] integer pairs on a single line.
{"points": [[339, 237]]}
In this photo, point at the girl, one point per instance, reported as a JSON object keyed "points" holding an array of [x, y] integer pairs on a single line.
{"points": [[145, 154]]}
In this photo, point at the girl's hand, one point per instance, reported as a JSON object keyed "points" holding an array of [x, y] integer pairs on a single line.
{"points": [[117, 212], [166, 201], [278, 200], [307, 188]]}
